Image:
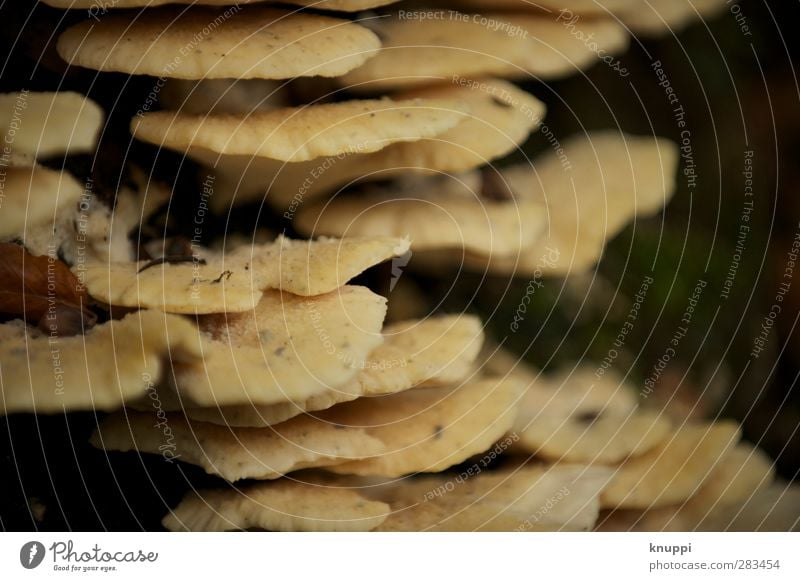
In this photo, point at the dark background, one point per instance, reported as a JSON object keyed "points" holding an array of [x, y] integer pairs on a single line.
{"points": [[739, 92]]}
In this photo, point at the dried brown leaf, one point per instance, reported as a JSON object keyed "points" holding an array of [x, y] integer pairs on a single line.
{"points": [[35, 287]]}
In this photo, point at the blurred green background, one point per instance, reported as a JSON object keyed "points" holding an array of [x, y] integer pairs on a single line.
{"points": [[740, 93]]}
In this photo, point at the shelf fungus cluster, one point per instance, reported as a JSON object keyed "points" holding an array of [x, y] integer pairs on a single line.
{"points": [[374, 131]]}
